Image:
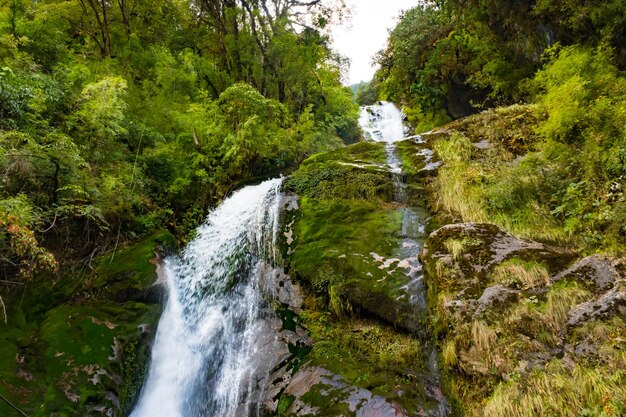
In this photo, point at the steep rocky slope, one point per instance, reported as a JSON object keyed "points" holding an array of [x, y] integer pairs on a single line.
{"points": [[353, 244], [529, 326]]}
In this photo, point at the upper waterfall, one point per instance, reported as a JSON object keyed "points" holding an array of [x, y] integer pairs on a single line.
{"points": [[201, 355], [383, 122]]}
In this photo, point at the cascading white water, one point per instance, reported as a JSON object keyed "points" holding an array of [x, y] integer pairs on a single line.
{"points": [[201, 357], [384, 122]]}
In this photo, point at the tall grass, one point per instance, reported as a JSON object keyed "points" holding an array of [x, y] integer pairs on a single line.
{"points": [[520, 274], [457, 190], [557, 391]]}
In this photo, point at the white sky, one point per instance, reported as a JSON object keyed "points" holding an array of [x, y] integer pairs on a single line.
{"points": [[366, 33]]}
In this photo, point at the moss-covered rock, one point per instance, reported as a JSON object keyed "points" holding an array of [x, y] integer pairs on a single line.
{"points": [[77, 347], [510, 316], [354, 245]]}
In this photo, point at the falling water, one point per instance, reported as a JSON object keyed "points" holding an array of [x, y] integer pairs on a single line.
{"points": [[202, 355], [384, 122]]}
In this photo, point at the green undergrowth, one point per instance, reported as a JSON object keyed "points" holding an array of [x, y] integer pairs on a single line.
{"points": [[70, 349], [493, 184], [553, 171], [130, 267]]}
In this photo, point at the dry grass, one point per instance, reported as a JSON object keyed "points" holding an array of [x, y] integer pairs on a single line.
{"points": [[448, 353], [459, 247], [557, 391], [483, 337], [487, 186], [532, 222], [560, 301], [477, 346], [456, 192], [456, 186], [519, 274]]}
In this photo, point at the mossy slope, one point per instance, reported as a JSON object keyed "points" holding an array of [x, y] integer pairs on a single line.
{"points": [[80, 347], [519, 333]]}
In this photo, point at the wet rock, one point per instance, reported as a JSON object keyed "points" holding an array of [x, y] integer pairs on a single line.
{"points": [[380, 408], [281, 287], [596, 272], [537, 360], [380, 304], [329, 386], [610, 304], [493, 245], [496, 296]]}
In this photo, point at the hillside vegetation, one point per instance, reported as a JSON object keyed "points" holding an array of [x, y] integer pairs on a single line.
{"points": [[119, 118]]}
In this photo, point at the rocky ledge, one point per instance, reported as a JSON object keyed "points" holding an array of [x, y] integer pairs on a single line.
{"points": [[522, 320]]}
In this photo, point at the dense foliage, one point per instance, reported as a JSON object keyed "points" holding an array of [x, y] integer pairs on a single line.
{"points": [[120, 117], [448, 59]]}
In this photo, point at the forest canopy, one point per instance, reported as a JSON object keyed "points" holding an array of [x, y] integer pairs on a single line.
{"points": [[448, 59], [120, 117]]}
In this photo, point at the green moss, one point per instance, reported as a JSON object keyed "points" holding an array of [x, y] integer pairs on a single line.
{"points": [[412, 161], [364, 152], [330, 400], [369, 355], [130, 267], [347, 250], [333, 236], [284, 403], [68, 343]]}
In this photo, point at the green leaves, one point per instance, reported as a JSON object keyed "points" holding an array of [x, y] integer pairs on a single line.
{"points": [[101, 107]]}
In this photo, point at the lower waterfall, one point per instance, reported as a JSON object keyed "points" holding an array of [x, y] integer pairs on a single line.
{"points": [[202, 354]]}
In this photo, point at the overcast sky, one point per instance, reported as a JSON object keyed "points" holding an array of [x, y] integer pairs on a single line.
{"points": [[366, 33]]}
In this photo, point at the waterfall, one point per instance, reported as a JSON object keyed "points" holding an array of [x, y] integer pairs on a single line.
{"points": [[202, 354], [384, 122]]}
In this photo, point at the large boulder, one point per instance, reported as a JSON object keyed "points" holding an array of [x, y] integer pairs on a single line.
{"points": [[463, 254], [596, 272], [608, 305]]}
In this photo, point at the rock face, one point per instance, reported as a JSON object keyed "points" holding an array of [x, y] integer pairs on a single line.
{"points": [[333, 391], [468, 252], [597, 272], [353, 243], [610, 304], [510, 310]]}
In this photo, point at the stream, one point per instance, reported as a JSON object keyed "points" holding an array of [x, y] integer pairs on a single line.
{"points": [[384, 122]]}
